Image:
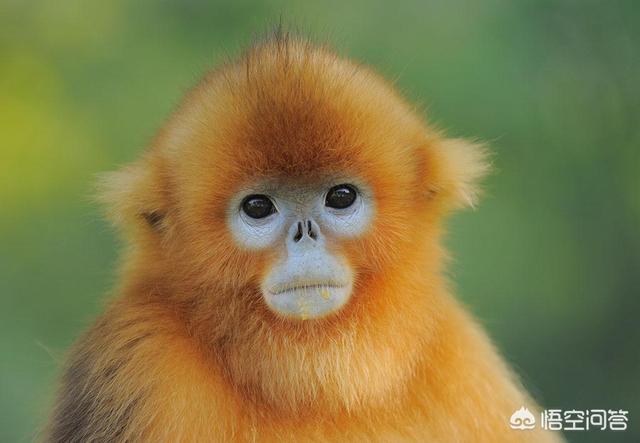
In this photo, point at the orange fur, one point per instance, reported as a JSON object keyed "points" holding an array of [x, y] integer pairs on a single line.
{"points": [[189, 352]]}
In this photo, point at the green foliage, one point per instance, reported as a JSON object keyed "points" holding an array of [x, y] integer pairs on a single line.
{"points": [[549, 262]]}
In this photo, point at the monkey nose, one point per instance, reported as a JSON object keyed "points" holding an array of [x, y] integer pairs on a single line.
{"points": [[304, 229]]}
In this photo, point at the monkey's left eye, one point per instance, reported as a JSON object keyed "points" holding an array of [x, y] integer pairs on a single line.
{"points": [[258, 206], [340, 196]]}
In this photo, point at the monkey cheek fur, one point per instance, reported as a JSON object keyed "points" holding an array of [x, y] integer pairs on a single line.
{"points": [[308, 302]]}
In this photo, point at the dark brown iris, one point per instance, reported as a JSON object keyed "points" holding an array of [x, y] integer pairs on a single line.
{"points": [[340, 196], [258, 206]]}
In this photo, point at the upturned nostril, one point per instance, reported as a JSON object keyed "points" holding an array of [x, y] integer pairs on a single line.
{"points": [[310, 230], [299, 233]]}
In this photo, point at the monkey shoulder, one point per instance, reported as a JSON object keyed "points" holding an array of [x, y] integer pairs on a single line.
{"points": [[126, 376]]}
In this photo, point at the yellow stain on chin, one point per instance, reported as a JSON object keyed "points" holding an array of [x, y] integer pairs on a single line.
{"points": [[303, 304], [304, 309]]}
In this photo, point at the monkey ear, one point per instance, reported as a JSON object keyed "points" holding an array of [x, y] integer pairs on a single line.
{"points": [[135, 197], [461, 165]]}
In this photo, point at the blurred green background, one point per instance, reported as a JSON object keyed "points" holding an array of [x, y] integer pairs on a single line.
{"points": [[549, 262]]}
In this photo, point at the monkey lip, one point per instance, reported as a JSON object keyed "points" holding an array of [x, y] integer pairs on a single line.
{"points": [[304, 287], [307, 300]]}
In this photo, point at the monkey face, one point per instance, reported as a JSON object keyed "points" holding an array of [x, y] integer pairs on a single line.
{"points": [[293, 184], [296, 186], [310, 276], [288, 189]]}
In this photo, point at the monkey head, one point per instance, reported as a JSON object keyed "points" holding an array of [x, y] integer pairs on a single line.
{"points": [[292, 193], [296, 175]]}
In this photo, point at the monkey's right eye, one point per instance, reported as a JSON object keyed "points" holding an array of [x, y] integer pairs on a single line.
{"points": [[258, 206]]}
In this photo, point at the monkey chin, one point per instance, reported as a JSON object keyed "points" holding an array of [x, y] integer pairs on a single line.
{"points": [[308, 300]]}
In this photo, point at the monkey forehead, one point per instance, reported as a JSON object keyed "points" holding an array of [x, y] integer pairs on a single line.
{"points": [[294, 110]]}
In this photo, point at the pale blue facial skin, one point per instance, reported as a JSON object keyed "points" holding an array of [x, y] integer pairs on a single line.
{"points": [[308, 280]]}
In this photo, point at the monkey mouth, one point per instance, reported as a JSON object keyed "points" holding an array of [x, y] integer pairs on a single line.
{"points": [[307, 300]]}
